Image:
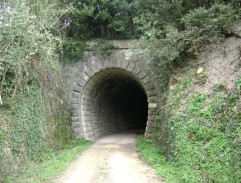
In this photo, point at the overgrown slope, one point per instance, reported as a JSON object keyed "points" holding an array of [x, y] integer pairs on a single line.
{"points": [[204, 119], [33, 115], [205, 114]]}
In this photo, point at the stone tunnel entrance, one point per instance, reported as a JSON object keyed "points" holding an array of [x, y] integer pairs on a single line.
{"points": [[111, 96], [113, 101]]}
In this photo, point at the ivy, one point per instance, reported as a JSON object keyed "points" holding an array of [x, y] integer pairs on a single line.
{"points": [[206, 133], [34, 116]]}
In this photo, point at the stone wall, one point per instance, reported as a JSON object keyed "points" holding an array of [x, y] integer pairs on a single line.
{"points": [[110, 93]]}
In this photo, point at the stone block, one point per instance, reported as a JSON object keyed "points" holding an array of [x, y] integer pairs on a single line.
{"points": [[112, 63], [151, 117], [151, 92], [141, 75], [124, 64], [87, 129], [120, 55], [136, 70], [89, 72], [151, 111], [148, 136], [152, 99], [149, 86], [81, 83], [75, 125], [151, 124], [105, 63], [95, 68], [152, 105], [146, 80], [75, 101], [77, 88], [75, 118], [75, 112], [118, 63], [77, 131], [128, 54], [75, 106], [130, 67], [85, 76], [100, 65], [75, 94]]}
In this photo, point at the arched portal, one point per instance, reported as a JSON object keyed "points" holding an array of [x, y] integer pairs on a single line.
{"points": [[113, 97], [113, 101]]}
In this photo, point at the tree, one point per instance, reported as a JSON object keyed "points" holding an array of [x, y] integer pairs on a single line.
{"points": [[101, 19]]}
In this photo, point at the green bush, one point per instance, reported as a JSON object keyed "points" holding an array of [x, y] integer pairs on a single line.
{"points": [[34, 111], [73, 50], [206, 133]]}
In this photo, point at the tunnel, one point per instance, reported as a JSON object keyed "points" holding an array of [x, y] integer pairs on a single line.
{"points": [[113, 101]]}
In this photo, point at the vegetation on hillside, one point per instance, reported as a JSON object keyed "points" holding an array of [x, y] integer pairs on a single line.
{"points": [[35, 36], [204, 133], [198, 133], [34, 116], [53, 166]]}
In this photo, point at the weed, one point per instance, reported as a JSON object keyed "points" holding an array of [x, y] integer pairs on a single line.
{"points": [[203, 134], [164, 168], [238, 83], [1, 136], [47, 170]]}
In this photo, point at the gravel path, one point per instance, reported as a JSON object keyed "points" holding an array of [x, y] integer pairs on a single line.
{"points": [[111, 159]]}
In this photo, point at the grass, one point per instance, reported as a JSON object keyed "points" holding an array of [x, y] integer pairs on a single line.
{"points": [[52, 167], [168, 171], [204, 136]]}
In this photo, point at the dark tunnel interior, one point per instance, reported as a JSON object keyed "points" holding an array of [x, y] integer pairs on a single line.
{"points": [[117, 103]]}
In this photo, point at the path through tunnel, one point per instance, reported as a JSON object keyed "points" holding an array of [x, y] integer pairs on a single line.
{"points": [[113, 101]]}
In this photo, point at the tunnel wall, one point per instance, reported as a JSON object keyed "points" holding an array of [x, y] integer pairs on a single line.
{"points": [[88, 74]]}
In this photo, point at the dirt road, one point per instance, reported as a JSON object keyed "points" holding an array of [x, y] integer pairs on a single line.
{"points": [[111, 159]]}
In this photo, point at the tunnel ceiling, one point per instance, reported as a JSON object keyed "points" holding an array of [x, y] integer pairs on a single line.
{"points": [[112, 98]]}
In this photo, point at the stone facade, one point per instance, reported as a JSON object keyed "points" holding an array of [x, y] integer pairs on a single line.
{"points": [[101, 89]]}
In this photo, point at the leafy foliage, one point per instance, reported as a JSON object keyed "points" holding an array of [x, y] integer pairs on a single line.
{"points": [[28, 44], [53, 166], [206, 129], [73, 50], [33, 110], [165, 169], [193, 130], [101, 19], [186, 29]]}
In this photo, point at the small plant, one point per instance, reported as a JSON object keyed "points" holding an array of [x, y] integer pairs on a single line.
{"points": [[202, 77], [73, 50], [164, 168], [53, 166], [1, 136], [101, 46], [220, 87], [196, 104], [238, 83]]}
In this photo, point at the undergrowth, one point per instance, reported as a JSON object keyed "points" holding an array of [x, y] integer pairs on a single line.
{"points": [[205, 140], [165, 169], [206, 130], [53, 166], [34, 116]]}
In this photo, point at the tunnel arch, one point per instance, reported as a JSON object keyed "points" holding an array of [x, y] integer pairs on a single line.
{"points": [[111, 97]]}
